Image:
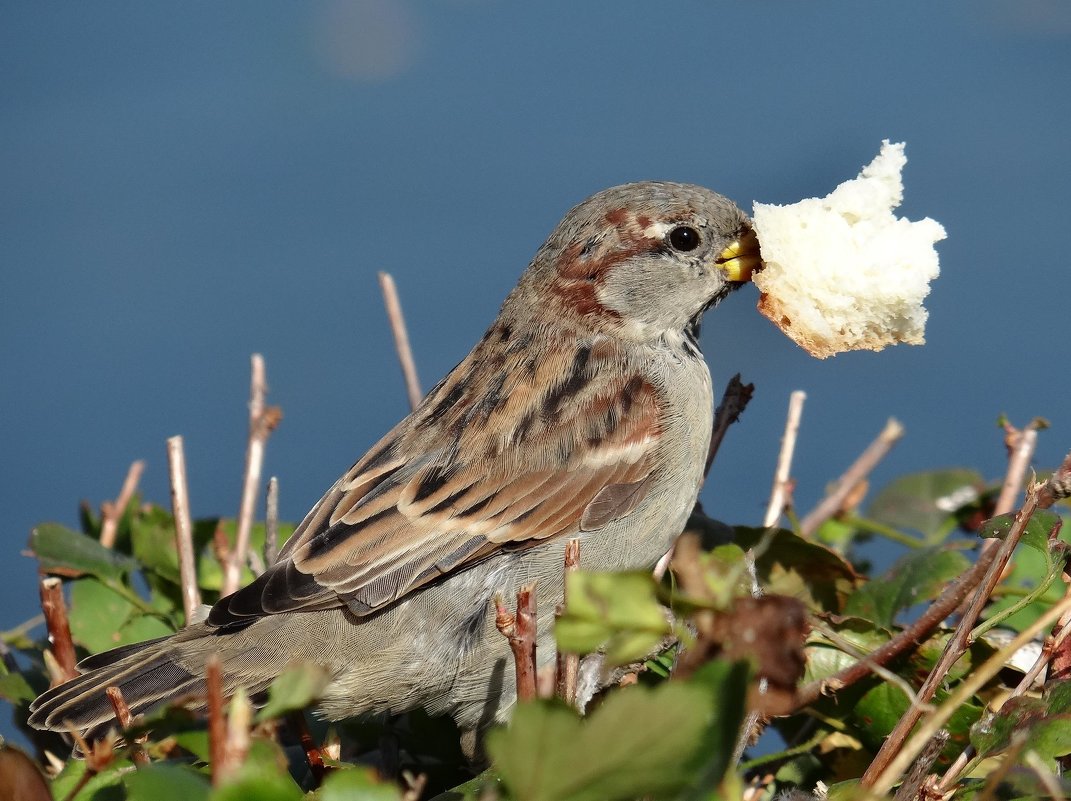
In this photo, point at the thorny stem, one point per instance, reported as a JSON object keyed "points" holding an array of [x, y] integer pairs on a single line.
{"points": [[733, 402], [520, 630], [955, 647], [779, 492], [862, 467], [262, 421], [313, 753], [908, 639], [125, 719], [881, 782], [401, 339], [112, 513], [569, 664], [217, 725], [59, 629], [180, 507]]}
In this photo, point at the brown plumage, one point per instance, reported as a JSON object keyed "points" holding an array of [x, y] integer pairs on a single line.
{"points": [[584, 411]]}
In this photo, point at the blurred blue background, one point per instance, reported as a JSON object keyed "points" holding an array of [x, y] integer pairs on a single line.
{"points": [[183, 186]]}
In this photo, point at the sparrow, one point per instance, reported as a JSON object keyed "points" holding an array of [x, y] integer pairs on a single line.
{"points": [[584, 411]]}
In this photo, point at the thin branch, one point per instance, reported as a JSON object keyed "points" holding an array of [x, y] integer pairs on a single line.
{"points": [[401, 339], [122, 714], [906, 752], [862, 467], [59, 629], [779, 492], [569, 664], [1025, 442], [956, 646], [733, 402], [916, 777], [520, 630], [180, 506], [271, 523], [112, 513], [217, 724], [262, 421], [907, 640]]}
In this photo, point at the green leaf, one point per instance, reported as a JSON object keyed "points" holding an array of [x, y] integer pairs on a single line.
{"points": [[793, 566], [916, 577], [356, 784], [263, 777], [926, 501], [142, 628], [639, 742], [296, 688], [1036, 534], [161, 781], [64, 552], [74, 770], [152, 535], [14, 688], [618, 611], [97, 614]]}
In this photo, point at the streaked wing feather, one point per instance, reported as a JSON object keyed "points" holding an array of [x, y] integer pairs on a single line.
{"points": [[413, 509]]}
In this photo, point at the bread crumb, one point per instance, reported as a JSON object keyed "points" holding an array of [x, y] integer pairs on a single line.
{"points": [[843, 272]]}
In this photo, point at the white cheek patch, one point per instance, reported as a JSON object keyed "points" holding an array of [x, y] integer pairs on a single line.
{"points": [[656, 230]]}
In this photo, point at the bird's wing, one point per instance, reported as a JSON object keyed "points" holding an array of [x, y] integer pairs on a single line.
{"points": [[502, 454]]}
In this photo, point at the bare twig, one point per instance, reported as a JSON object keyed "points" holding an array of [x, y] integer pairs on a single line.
{"points": [[520, 630], [401, 339], [909, 789], [956, 646], [779, 493], [112, 513], [122, 714], [883, 781], [862, 467], [1020, 454], [271, 523], [733, 402], [59, 629], [180, 506], [569, 664], [262, 421], [908, 639], [217, 724]]}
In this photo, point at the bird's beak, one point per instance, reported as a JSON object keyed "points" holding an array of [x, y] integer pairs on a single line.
{"points": [[741, 257]]}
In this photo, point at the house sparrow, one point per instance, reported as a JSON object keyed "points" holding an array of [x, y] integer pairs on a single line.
{"points": [[585, 411]]}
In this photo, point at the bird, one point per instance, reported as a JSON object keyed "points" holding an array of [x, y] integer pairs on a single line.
{"points": [[583, 412]]}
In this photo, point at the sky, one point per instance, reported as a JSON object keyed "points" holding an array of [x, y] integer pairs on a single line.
{"points": [[181, 187]]}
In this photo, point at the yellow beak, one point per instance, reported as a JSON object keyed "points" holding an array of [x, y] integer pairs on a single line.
{"points": [[741, 257]]}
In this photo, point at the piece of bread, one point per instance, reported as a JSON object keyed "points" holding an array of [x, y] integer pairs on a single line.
{"points": [[843, 272]]}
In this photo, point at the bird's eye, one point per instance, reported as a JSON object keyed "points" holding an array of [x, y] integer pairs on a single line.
{"points": [[684, 238]]}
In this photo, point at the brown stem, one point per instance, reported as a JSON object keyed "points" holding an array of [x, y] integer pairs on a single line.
{"points": [[112, 513], [907, 640], [520, 630], [862, 467], [957, 644], [569, 664], [217, 723], [180, 506], [733, 402], [779, 492], [401, 339], [126, 720], [313, 753], [262, 421], [59, 629]]}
